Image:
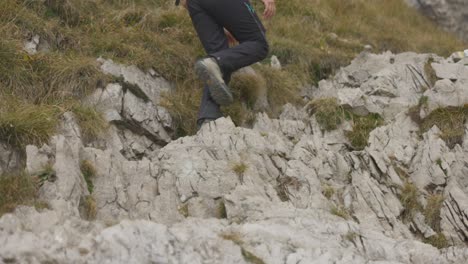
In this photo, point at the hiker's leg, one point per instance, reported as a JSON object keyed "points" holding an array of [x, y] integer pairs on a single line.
{"points": [[239, 18], [213, 39]]}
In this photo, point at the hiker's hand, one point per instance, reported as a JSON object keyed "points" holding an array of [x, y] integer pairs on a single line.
{"points": [[270, 8], [231, 39], [183, 3]]}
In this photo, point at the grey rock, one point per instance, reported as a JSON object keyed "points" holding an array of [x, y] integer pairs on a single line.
{"points": [[139, 127], [386, 84], [284, 191], [446, 93], [35, 44], [10, 159], [275, 63], [451, 71], [151, 86], [449, 14]]}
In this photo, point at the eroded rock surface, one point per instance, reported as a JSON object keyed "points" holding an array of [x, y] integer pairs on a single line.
{"points": [[452, 15], [284, 191]]}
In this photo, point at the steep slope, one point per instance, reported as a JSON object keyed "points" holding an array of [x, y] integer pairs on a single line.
{"points": [[289, 190]]}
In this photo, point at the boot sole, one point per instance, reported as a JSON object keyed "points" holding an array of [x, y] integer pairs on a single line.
{"points": [[218, 89]]}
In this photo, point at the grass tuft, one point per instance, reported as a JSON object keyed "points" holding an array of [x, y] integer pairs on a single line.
{"points": [[328, 191], [240, 168], [341, 212], [328, 112], [439, 241], [184, 210], [409, 199], [430, 73], [88, 207], [451, 122], [92, 123], [89, 173], [432, 211], [248, 255], [23, 123], [362, 126], [17, 190]]}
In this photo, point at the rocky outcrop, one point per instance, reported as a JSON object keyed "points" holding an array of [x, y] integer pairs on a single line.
{"points": [[283, 191], [452, 15]]}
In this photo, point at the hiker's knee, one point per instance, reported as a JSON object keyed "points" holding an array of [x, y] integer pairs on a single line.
{"points": [[264, 49]]}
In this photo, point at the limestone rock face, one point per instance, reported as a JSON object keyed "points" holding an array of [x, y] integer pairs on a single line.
{"points": [[283, 191], [452, 15]]}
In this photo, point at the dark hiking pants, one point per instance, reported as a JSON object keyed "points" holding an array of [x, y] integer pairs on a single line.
{"points": [[209, 17]]}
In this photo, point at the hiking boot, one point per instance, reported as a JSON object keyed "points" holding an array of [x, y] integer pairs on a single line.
{"points": [[202, 122], [208, 70]]}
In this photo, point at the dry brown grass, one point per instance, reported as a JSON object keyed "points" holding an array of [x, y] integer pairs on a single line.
{"points": [[328, 112], [23, 123], [451, 122], [409, 199], [362, 126], [16, 190]]}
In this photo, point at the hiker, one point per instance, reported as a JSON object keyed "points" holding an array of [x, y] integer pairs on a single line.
{"points": [[219, 23]]}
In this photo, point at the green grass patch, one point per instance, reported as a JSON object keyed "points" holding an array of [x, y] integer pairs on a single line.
{"points": [[23, 123], [451, 122], [92, 123], [362, 126], [160, 36], [89, 173], [328, 113], [17, 190]]}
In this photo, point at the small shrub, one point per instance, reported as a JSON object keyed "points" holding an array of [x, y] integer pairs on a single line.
{"points": [[16, 190], [328, 112], [89, 173]]}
